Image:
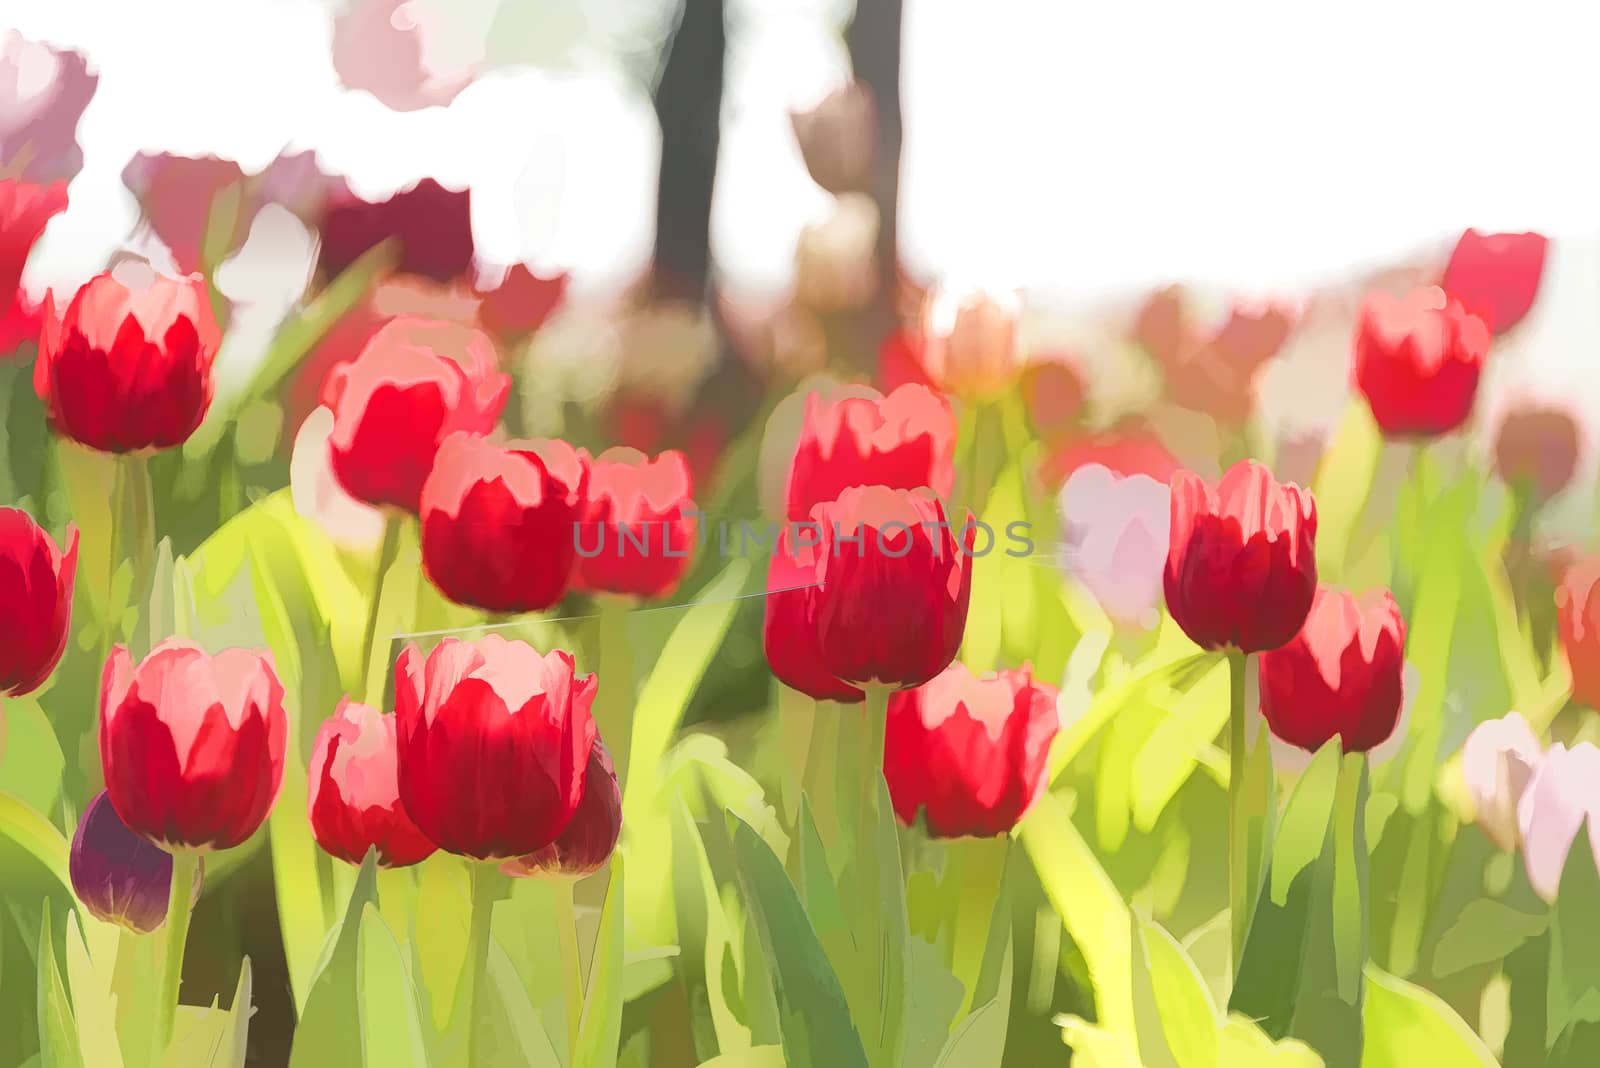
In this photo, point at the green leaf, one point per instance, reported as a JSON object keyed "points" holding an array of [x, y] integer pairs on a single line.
{"points": [[392, 1026], [1486, 931], [601, 1029], [1574, 991], [1163, 667], [1306, 941], [671, 683], [1408, 1026], [979, 1041], [332, 1026], [58, 1031], [1089, 906], [30, 758], [1343, 484], [1177, 1021], [1172, 751], [1241, 1044], [817, 1030], [751, 1057]]}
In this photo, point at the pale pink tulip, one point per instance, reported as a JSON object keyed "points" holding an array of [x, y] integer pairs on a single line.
{"points": [[1497, 761], [1115, 534], [1564, 790]]}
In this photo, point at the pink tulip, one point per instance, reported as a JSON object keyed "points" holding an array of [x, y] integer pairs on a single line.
{"points": [[1115, 530], [1564, 790], [1498, 760]]}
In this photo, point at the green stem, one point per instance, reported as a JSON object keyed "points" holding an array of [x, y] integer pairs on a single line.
{"points": [[134, 539], [177, 931], [376, 667], [571, 962], [877, 724], [486, 880], [1239, 893], [613, 706], [977, 867], [797, 714]]}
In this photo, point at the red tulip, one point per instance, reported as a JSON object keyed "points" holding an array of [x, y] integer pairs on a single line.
{"points": [[354, 804], [638, 526], [1340, 676], [498, 521], [125, 369], [787, 633], [1417, 360], [1537, 448], [892, 582], [396, 402], [36, 581], [521, 303], [25, 209], [495, 739], [20, 323], [969, 753], [120, 877], [431, 227], [1496, 276], [902, 360], [1241, 564], [1578, 620], [192, 745], [588, 840], [905, 441]]}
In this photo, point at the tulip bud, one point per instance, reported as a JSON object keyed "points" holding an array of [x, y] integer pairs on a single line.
{"points": [[1563, 792], [1115, 532], [430, 226], [890, 583], [1241, 565], [1417, 361], [43, 92], [1537, 448], [354, 797], [1498, 761], [1578, 622], [838, 137], [522, 301], [1496, 276], [127, 366], [36, 582], [192, 745], [586, 843], [835, 268], [906, 440], [498, 522], [1340, 676], [397, 401], [494, 739], [969, 753], [120, 877], [25, 209], [970, 339], [637, 531]]}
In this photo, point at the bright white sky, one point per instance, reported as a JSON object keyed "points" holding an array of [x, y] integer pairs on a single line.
{"points": [[1081, 146]]}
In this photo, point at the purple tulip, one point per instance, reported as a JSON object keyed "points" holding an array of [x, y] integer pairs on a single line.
{"points": [[118, 876]]}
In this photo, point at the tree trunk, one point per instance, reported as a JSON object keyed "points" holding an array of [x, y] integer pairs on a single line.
{"points": [[689, 107]]}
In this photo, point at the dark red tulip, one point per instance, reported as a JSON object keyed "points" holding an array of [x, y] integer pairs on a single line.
{"points": [[522, 301], [120, 877], [25, 208], [788, 634], [1241, 565], [396, 402], [1578, 621], [191, 744], [1537, 448], [584, 846], [906, 440], [431, 227], [128, 367], [498, 522], [638, 528], [495, 739], [969, 753], [892, 585], [354, 802], [1496, 276], [36, 581], [1340, 676], [1417, 361]]}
